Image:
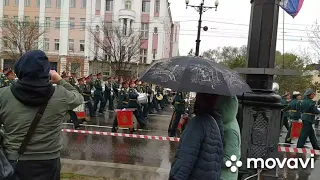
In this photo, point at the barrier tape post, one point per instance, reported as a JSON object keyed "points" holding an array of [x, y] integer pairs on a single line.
{"points": [[174, 139]]}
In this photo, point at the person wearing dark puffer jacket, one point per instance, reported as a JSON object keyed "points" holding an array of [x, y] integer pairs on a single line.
{"points": [[200, 152], [19, 104]]}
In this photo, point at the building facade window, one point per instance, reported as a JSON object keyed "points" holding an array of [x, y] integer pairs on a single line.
{"points": [[37, 3], [35, 45], [154, 54], [83, 3], [125, 23], [155, 30], [72, 3], [26, 3], [144, 30], [26, 20], [143, 56], [56, 45], [71, 44], [109, 5], [36, 20], [16, 2], [127, 5], [82, 45], [15, 20], [82, 23], [47, 23], [145, 6], [5, 20], [58, 4], [46, 44], [57, 23], [157, 7], [6, 2], [48, 3], [72, 23]]}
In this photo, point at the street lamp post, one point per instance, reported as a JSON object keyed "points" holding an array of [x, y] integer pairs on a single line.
{"points": [[201, 9]]}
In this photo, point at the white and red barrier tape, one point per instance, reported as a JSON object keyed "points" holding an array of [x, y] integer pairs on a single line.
{"points": [[162, 138]]}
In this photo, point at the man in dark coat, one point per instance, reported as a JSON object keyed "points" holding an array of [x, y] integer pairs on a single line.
{"points": [[109, 93]]}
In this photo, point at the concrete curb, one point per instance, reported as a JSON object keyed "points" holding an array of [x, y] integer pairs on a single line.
{"points": [[115, 165]]}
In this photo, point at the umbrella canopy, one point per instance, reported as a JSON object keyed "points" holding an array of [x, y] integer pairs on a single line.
{"points": [[193, 74]]}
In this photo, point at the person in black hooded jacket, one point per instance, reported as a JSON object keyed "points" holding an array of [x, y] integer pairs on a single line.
{"points": [[19, 104]]}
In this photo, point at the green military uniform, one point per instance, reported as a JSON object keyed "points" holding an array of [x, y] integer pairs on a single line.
{"points": [[72, 81], [133, 103], [309, 111], [3, 79], [86, 92], [109, 94], [285, 119], [98, 96], [294, 109], [179, 109]]}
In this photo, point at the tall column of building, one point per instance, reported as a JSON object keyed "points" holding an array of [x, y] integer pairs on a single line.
{"points": [[151, 27], [21, 11], [101, 24], [42, 12], [64, 35], [1, 17]]}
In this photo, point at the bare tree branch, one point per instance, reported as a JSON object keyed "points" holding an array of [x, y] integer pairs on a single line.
{"points": [[75, 62], [314, 37], [19, 37], [120, 49]]}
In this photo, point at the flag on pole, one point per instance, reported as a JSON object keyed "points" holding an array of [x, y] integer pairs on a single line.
{"points": [[292, 7]]}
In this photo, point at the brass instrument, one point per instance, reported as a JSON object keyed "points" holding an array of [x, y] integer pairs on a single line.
{"points": [[159, 97]]}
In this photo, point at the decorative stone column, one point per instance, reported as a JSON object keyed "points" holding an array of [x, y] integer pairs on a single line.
{"points": [[63, 64]]}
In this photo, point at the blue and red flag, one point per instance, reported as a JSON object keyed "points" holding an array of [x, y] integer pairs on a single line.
{"points": [[292, 7]]}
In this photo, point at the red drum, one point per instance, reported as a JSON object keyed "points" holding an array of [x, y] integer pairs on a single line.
{"points": [[296, 129], [80, 111], [125, 118]]}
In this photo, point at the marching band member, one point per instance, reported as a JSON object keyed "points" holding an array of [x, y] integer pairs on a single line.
{"points": [[179, 109], [139, 87], [98, 94], [294, 112], [133, 103], [123, 101], [116, 86], [309, 111], [10, 77], [85, 90], [147, 107], [109, 93], [4, 78], [73, 79]]}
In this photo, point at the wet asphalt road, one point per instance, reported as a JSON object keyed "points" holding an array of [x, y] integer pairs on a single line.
{"points": [[145, 152]]}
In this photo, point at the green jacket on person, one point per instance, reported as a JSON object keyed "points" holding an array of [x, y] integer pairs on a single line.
{"points": [[309, 110], [179, 103], [228, 107], [16, 118]]}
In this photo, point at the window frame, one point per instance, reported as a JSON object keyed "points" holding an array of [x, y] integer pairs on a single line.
{"points": [[56, 41], [145, 6], [48, 3], [72, 3], [109, 3], [145, 30], [71, 42], [157, 6], [26, 3], [128, 5], [5, 2], [16, 2], [82, 43], [72, 23], [82, 23], [56, 24], [143, 56], [58, 3], [45, 43], [83, 4], [47, 22]]}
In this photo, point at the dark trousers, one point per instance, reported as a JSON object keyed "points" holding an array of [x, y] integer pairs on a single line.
{"points": [[90, 107], [74, 118], [110, 99], [138, 114], [37, 170], [146, 109], [174, 123], [96, 100], [307, 131], [285, 123]]}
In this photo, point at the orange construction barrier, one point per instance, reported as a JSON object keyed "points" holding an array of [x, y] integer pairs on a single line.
{"points": [[125, 118], [296, 129]]}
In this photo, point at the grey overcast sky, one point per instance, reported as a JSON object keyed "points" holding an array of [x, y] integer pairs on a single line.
{"points": [[230, 25]]}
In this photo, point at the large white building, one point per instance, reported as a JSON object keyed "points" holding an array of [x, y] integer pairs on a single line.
{"points": [[68, 37]]}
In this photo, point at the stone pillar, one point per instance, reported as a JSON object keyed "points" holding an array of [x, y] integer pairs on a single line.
{"points": [[259, 114], [86, 67], [63, 64], [1, 64]]}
